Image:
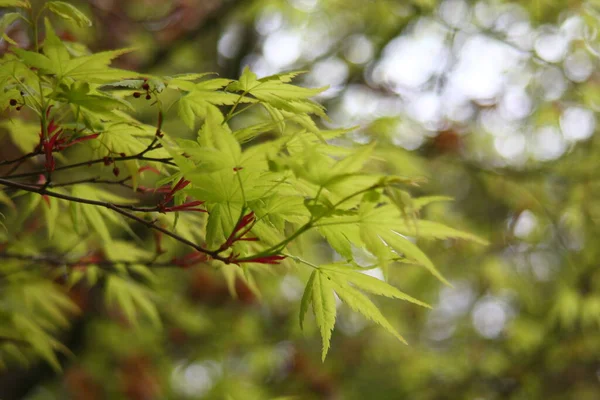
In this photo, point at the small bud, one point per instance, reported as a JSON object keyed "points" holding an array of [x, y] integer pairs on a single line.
{"points": [[123, 155], [107, 161], [116, 171], [148, 97], [13, 102], [136, 94], [19, 108], [145, 86]]}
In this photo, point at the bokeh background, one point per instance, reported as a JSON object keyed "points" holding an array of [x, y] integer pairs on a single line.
{"points": [[494, 102]]}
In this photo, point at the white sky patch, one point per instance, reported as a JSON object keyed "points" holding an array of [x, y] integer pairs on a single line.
{"points": [[479, 73], [490, 316], [551, 45], [577, 123], [281, 49], [515, 104], [525, 224], [410, 61], [578, 66], [359, 49], [548, 144], [510, 147], [268, 22], [195, 379]]}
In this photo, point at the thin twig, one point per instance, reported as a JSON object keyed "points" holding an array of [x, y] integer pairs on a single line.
{"points": [[122, 209]]}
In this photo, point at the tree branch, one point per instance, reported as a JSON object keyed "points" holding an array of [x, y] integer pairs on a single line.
{"points": [[139, 156], [121, 209]]}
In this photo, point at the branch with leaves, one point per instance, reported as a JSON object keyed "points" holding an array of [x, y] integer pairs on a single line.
{"points": [[241, 210]]}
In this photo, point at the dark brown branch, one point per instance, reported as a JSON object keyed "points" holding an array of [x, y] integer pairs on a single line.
{"points": [[20, 159], [122, 209], [139, 156]]}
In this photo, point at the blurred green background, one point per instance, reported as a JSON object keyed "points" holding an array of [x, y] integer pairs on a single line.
{"points": [[494, 102]]}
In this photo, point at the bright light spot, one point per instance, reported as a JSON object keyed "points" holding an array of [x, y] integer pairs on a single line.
{"points": [[304, 5], [195, 379], [454, 12], [457, 107], [359, 49], [578, 66], [553, 83], [483, 77], [543, 265], [411, 61], [456, 300], [440, 326], [358, 102], [485, 13], [408, 135], [526, 223], [521, 34], [351, 323], [508, 15], [573, 28], [426, 108], [577, 123], [515, 104], [259, 66], [332, 72], [510, 147], [551, 45], [548, 144], [268, 22], [490, 315], [375, 273], [291, 288], [281, 49], [229, 43]]}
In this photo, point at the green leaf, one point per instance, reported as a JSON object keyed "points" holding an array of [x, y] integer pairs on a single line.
{"points": [[94, 68], [361, 303], [15, 3], [306, 298], [336, 237], [25, 135], [323, 302], [275, 93], [204, 97], [216, 135], [69, 12], [246, 82], [33, 59], [421, 202], [368, 283], [51, 212], [6, 200], [410, 250], [132, 298], [54, 49]]}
